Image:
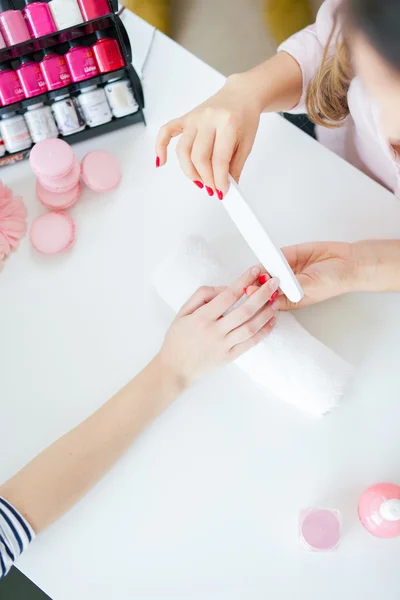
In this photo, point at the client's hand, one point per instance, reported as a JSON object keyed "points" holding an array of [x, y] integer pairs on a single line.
{"points": [[324, 270], [206, 335]]}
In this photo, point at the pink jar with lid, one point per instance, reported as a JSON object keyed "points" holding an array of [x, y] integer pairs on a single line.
{"points": [[31, 77], [55, 70], [10, 85], [12, 24], [81, 61], [38, 18]]}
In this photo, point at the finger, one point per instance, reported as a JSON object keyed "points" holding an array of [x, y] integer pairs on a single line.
{"points": [[165, 135], [251, 327], [184, 151], [247, 310], [202, 152], [249, 291], [305, 283], [238, 161], [222, 303], [224, 148], [240, 349], [200, 298]]}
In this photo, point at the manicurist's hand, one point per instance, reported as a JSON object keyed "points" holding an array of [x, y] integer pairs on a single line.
{"points": [[216, 137], [205, 335]]}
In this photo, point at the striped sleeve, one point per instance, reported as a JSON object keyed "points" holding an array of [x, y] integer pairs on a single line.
{"points": [[15, 536]]}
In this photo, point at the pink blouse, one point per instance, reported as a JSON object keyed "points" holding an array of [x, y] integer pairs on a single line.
{"points": [[359, 140]]}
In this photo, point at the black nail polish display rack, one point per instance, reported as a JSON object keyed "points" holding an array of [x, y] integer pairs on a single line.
{"points": [[58, 41]]}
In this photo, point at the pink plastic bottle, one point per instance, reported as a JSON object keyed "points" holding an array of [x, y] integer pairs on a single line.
{"points": [[12, 24], [10, 85], [379, 510], [31, 77], [81, 62], [55, 70], [93, 9], [38, 18], [2, 42]]}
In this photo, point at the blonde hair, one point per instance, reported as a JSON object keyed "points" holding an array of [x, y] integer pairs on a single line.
{"points": [[327, 94]]}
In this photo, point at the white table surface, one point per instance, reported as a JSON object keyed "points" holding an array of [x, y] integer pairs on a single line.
{"points": [[205, 505]]}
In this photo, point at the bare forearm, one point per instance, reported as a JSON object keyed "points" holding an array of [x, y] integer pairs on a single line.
{"points": [[275, 85], [61, 475], [376, 266]]}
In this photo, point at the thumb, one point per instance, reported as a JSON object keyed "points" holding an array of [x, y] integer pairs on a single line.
{"points": [[305, 283]]}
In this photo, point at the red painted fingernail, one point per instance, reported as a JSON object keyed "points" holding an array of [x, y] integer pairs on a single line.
{"points": [[220, 195], [210, 191], [245, 291], [158, 162], [199, 184], [274, 296], [262, 279]]}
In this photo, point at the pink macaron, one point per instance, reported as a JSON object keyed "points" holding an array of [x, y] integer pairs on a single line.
{"points": [[53, 233], [65, 183], [58, 201], [101, 171], [52, 158], [320, 529]]}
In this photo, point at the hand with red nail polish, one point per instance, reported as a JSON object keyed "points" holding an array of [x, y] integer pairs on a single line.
{"points": [[213, 328], [216, 137]]}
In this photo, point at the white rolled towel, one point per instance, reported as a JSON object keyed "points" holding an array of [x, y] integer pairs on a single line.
{"points": [[289, 363]]}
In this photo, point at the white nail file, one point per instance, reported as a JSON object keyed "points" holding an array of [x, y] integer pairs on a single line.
{"points": [[257, 238]]}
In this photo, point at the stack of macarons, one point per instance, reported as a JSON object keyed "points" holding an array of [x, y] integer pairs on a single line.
{"points": [[58, 174], [58, 188]]}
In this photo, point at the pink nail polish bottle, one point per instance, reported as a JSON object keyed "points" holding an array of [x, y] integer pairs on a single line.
{"points": [[379, 510], [31, 77], [93, 9], [12, 24], [2, 42], [55, 70], [107, 53], [10, 85], [38, 18], [81, 62]]}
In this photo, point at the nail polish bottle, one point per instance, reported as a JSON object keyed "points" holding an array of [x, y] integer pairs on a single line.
{"points": [[10, 85], [31, 77], [38, 18], [107, 53], [80, 61], [12, 24], [66, 13], [95, 107], [55, 70], [121, 98], [93, 9], [14, 131], [41, 123], [2, 42], [68, 114]]}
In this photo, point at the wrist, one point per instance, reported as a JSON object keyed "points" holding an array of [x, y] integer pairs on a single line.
{"points": [[376, 265], [173, 382], [243, 85]]}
